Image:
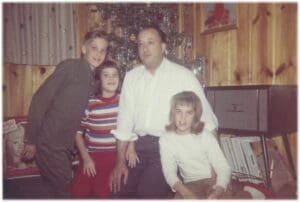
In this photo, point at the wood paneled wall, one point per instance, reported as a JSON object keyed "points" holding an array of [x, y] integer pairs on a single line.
{"points": [[19, 84], [262, 50]]}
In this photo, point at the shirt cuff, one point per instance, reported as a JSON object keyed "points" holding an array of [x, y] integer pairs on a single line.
{"points": [[210, 126], [124, 136], [221, 184], [173, 182]]}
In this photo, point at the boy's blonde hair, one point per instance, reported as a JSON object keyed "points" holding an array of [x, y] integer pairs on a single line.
{"points": [[186, 98], [89, 36]]}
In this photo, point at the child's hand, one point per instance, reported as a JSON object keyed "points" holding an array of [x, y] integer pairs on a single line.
{"points": [[89, 166], [132, 158], [29, 151]]}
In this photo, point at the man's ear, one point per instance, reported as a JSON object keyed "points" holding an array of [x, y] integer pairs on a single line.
{"points": [[83, 49]]}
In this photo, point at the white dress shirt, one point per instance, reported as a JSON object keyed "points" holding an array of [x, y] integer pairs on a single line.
{"points": [[145, 100], [194, 155]]}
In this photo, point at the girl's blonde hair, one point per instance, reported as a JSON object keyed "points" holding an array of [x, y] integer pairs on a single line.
{"points": [[186, 98]]}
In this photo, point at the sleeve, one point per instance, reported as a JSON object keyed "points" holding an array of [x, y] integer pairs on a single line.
{"points": [[42, 100], [208, 116], [125, 121], [83, 122], [218, 162], [168, 162]]}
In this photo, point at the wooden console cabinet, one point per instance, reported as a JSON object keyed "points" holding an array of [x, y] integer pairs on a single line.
{"points": [[258, 110]]}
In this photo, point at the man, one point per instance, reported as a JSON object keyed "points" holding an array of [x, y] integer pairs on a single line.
{"points": [[143, 113]]}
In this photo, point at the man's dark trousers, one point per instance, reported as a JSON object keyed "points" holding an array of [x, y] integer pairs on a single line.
{"points": [[146, 180]]}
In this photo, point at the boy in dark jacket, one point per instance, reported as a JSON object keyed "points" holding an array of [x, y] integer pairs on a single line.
{"points": [[55, 113]]}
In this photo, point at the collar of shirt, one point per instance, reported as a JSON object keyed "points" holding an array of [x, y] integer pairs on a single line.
{"points": [[159, 71], [108, 99]]}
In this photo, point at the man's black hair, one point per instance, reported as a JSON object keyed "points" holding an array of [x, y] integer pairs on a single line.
{"points": [[162, 35]]}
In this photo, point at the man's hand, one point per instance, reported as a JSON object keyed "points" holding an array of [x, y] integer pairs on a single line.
{"points": [[131, 155], [29, 151], [132, 159], [120, 171]]}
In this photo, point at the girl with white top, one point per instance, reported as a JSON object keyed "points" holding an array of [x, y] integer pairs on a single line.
{"points": [[194, 150]]}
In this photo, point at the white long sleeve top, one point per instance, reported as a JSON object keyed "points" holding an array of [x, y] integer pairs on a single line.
{"points": [[145, 100], [194, 156]]}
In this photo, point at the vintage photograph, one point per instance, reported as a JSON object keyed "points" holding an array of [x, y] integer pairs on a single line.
{"points": [[150, 100]]}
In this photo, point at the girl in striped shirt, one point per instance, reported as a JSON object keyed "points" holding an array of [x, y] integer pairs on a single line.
{"points": [[96, 144]]}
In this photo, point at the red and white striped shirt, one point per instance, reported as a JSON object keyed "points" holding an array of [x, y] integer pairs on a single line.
{"points": [[99, 119]]}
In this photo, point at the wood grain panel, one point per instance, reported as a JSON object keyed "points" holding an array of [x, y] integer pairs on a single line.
{"points": [[262, 48], [39, 75], [234, 72], [188, 18], [199, 40], [17, 89], [285, 69], [188, 15], [20, 83], [241, 74], [81, 25], [220, 58]]}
